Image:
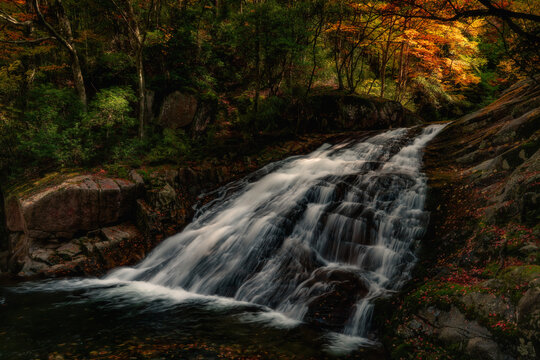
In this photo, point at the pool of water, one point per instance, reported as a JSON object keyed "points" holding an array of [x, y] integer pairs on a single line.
{"points": [[101, 321]]}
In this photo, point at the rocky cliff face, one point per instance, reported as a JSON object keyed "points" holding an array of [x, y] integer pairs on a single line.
{"points": [[476, 289], [327, 110]]}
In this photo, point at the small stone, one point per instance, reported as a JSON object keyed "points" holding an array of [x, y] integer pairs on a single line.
{"points": [[136, 177], [43, 255], [415, 324], [69, 249]]}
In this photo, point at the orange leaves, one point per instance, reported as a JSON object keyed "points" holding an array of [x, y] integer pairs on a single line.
{"points": [[52, 68], [13, 2], [444, 50], [342, 28]]}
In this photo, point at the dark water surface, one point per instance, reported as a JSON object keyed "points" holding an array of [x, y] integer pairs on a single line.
{"points": [[83, 324]]}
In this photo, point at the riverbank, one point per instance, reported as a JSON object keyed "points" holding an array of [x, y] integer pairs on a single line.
{"points": [[476, 289]]}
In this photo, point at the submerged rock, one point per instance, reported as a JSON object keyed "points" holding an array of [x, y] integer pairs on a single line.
{"points": [[334, 293]]}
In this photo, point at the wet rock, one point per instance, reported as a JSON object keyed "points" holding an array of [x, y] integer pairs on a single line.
{"points": [[454, 329], [32, 267], [455, 319], [115, 234], [79, 204], [451, 335], [333, 294], [147, 219], [121, 245], [162, 199]]}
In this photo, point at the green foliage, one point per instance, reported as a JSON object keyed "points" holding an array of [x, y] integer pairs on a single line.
{"points": [[272, 38], [174, 145], [111, 108], [252, 61], [271, 115], [112, 68], [52, 128], [433, 102], [11, 77], [56, 132]]}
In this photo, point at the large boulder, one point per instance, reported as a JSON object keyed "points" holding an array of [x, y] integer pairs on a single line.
{"points": [[178, 110], [81, 203], [336, 110]]}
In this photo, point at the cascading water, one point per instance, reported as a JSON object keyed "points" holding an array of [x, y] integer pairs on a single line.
{"points": [[315, 237], [299, 249]]}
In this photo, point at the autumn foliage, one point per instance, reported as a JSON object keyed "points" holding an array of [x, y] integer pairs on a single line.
{"points": [[245, 59]]}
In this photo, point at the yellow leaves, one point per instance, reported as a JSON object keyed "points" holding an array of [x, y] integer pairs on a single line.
{"points": [[444, 51]]}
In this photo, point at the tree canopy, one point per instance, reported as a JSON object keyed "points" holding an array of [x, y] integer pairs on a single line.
{"points": [[81, 81]]}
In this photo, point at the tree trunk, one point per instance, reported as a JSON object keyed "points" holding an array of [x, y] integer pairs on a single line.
{"points": [[257, 68], [138, 40], [141, 92], [68, 43], [78, 77]]}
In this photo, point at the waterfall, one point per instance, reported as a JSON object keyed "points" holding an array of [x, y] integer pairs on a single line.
{"points": [[314, 237]]}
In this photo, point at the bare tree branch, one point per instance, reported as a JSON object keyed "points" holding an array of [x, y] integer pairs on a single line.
{"points": [[27, 42], [10, 19], [50, 28]]}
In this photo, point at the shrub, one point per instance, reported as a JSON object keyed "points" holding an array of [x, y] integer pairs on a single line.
{"points": [[172, 147], [50, 134], [109, 121]]}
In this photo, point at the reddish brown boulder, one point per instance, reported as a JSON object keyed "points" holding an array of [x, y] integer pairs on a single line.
{"points": [[81, 203], [178, 110]]}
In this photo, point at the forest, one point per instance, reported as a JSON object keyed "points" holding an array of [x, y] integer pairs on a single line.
{"points": [[81, 82], [270, 179]]}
